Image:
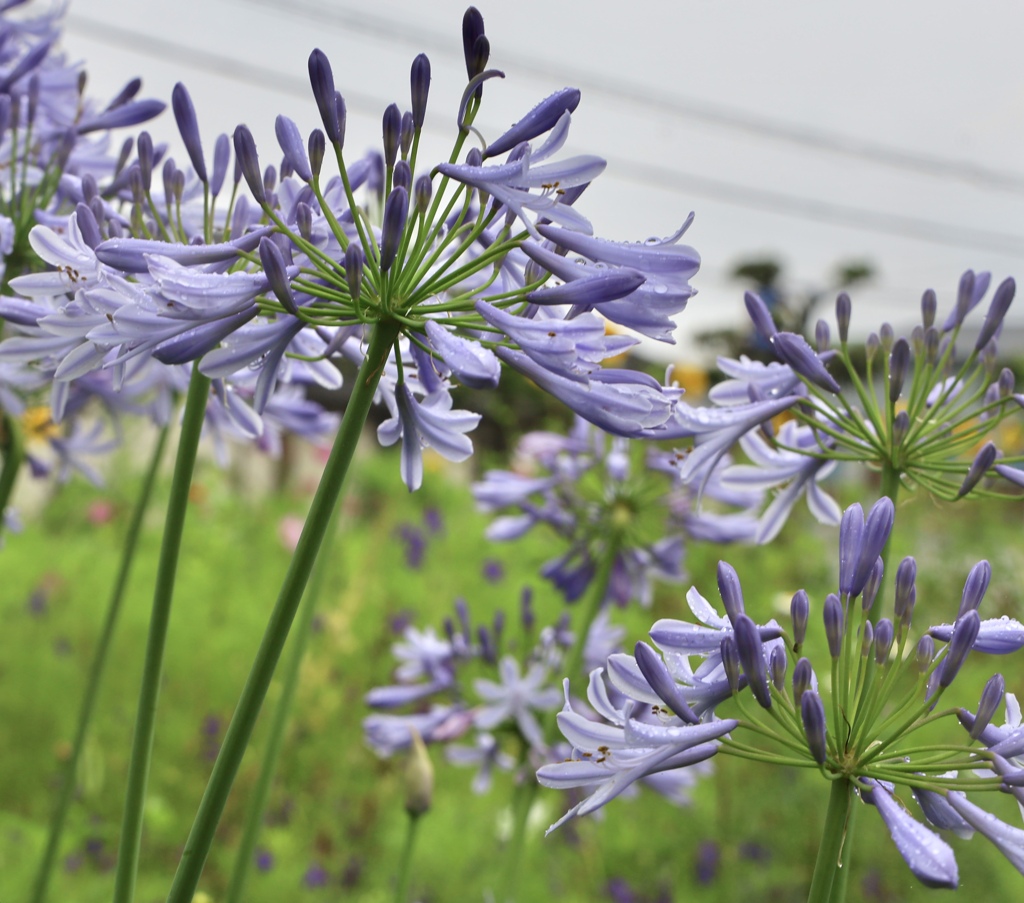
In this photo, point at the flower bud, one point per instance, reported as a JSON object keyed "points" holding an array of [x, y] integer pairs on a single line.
{"points": [[851, 536], [474, 46], [422, 192], [867, 640], [396, 211], [488, 652], [304, 220], [751, 653], [354, 263], [929, 304], [221, 158], [871, 346], [293, 147], [88, 225], [1006, 382], [979, 467], [877, 527], [975, 587], [906, 574], [931, 345], [884, 635], [965, 632], [526, 614], [991, 699], [391, 129], [419, 777], [249, 162], [730, 590], [402, 177], [965, 293], [843, 310], [146, 158], [406, 135], [924, 653], [269, 180], [321, 78], [777, 664], [419, 79], [886, 337], [803, 678], [731, 663], [822, 336], [760, 315], [185, 116], [900, 428], [276, 271], [812, 713], [872, 585], [799, 612], [996, 312], [899, 363], [316, 146], [539, 120], [661, 681], [794, 350], [834, 618]]}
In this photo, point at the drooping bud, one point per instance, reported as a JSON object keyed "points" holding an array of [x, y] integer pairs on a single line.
{"points": [[354, 262], [249, 162], [974, 588], [803, 678], [419, 79], [731, 591], [396, 211], [221, 158], [276, 271], [661, 681], [924, 653], [834, 620], [822, 336], [872, 585], [794, 350], [979, 467], [751, 652], [906, 575], [900, 428], [991, 699], [539, 120], [419, 777], [996, 312], [402, 177], [321, 78], [843, 311], [760, 316], [899, 363], [929, 304], [799, 612], [391, 129], [188, 126], [965, 632], [777, 664], [884, 635], [293, 147], [422, 193], [731, 663], [812, 713]]}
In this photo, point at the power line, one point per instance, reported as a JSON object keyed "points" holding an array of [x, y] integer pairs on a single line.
{"points": [[660, 101], [630, 170]]}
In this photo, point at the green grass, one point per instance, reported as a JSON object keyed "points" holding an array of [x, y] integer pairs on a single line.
{"points": [[334, 803]]}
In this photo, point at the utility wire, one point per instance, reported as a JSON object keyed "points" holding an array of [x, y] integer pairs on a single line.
{"points": [[660, 102], [631, 170]]}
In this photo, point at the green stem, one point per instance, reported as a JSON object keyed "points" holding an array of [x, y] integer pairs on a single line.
{"points": [[200, 838], [152, 669], [14, 454], [404, 872], [833, 838], [522, 802], [261, 792], [92, 682]]}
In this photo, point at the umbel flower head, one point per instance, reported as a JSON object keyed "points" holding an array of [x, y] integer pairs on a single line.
{"points": [[919, 411], [464, 263], [863, 729], [607, 497]]}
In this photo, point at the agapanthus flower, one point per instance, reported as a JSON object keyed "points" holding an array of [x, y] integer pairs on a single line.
{"points": [[462, 263], [920, 411], [607, 497], [861, 730]]}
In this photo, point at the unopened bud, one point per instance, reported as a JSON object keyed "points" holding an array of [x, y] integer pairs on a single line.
{"points": [[884, 635], [834, 621], [843, 310], [419, 777], [730, 590], [799, 612], [991, 699], [812, 713], [899, 363], [929, 304]]}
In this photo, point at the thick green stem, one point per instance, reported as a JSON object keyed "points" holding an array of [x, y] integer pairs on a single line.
{"points": [[152, 669], [404, 869], [835, 836], [14, 454], [261, 792], [92, 682], [197, 847]]}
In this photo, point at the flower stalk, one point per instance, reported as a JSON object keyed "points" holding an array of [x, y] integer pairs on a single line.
{"points": [[835, 836]]}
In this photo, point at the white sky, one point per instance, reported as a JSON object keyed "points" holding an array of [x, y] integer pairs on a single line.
{"points": [[718, 107]]}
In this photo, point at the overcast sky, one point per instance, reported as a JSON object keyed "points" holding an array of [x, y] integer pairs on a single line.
{"points": [[813, 132]]}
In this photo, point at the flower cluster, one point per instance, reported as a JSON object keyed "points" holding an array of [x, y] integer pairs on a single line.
{"points": [[609, 500], [917, 411], [863, 730]]}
